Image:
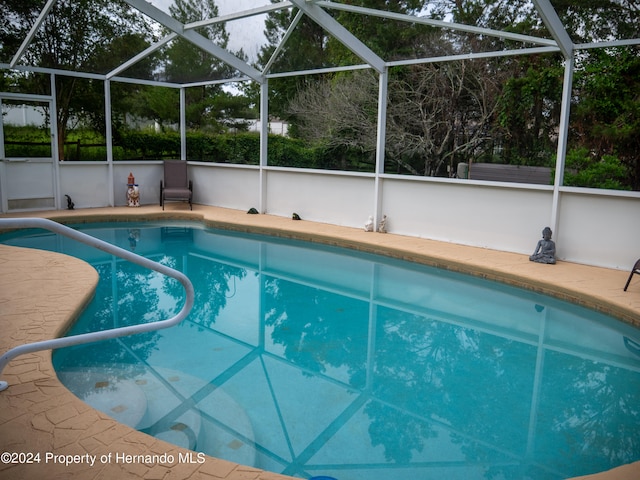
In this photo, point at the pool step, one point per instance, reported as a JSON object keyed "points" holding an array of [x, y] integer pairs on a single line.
{"points": [[106, 390], [158, 403], [167, 417], [140, 399]]}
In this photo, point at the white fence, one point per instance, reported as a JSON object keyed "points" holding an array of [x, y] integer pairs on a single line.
{"points": [[594, 227]]}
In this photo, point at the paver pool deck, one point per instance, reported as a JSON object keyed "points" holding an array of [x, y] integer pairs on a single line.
{"points": [[42, 293]]}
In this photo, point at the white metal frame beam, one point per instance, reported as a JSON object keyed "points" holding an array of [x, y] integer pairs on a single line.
{"points": [[559, 33], [381, 139], [238, 15], [283, 41], [340, 33], [94, 76], [32, 33], [613, 43], [145, 53], [108, 111], [202, 42], [555, 26], [437, 23], [264, 136]]}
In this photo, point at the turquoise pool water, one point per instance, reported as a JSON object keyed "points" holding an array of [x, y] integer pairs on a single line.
{"points": [[308, 360]]}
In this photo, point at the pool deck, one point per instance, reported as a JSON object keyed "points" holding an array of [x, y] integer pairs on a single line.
{"points": [[41, 293]]}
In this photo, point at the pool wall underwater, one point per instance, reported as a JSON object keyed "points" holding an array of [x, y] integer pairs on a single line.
{"points": [[583, 285]]}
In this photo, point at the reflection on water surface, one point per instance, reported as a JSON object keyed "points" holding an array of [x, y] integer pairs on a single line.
{"points": [[318, 361]]}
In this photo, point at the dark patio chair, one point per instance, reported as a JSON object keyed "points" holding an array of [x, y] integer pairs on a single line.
{"points": [[176, 185], [635, 269]]}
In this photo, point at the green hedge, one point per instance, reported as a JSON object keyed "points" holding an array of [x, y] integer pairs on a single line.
{"points": [[237, 148], [582, 168], [243, 148], [138, 145]]}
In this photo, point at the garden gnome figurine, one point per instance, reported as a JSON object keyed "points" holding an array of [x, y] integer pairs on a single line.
{"points": [[545, 251], [368, 227], [133, 193]]}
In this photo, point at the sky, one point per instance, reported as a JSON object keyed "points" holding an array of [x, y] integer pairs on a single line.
{"points": [[246, 33]]}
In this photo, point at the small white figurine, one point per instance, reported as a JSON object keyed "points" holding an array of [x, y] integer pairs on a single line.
{"points": [[382, 227], [368, 227]]}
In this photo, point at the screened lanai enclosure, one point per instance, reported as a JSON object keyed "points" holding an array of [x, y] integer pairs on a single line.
{"points": [[473, 122]]}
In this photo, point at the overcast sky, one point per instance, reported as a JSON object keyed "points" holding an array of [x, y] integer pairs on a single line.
{"points": [[246, 33]]}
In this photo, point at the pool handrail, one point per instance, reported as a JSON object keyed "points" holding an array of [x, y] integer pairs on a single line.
{"points": [[43, 223]]}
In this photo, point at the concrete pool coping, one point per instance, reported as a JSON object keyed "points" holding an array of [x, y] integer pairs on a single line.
{"points": [[41, 293]]}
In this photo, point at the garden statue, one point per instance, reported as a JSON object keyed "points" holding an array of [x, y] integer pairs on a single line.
{"points": [[368, 226], [133, 192], [133, 196], [545, 251], [382, 227]]}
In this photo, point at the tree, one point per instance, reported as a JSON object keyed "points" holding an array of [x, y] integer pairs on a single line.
{"points": [[83, 35], [339, 114], [437, 115], [529, 111], [440, 115], [604, 127], [600, 20], [207, 105], [310, 47], [157, 103], [305, 49], [184, 61], [606, 114], [389, 39]]}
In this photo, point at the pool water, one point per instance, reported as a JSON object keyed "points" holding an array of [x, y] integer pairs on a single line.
{"points": [[308, 360]]}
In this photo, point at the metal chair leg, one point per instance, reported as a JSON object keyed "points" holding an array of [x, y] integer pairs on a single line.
{"points": [[635, 269]]}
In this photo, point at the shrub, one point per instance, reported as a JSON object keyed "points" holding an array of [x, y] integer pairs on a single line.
{"points": [[583, 169]]}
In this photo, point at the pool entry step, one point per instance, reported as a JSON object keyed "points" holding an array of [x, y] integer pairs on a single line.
{"points": [[160, 403]]}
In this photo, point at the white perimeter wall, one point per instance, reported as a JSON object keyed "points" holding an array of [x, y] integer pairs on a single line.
{"points": [[227, 186], [322, 196], [481, 214], [595, 227], [600, 229], [87, 183]]}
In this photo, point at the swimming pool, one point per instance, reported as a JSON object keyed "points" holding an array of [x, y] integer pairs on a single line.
{"points": [[310, 360]]}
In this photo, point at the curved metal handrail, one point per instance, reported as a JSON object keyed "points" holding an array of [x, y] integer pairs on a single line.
{"points": [[105, 334]]}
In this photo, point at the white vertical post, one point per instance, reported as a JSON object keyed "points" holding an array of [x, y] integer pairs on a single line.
{"points": [[3, 176], [109, 139], [1, 131], [264, 142], [563, 133], [55, 155], [380, 147], [183, 123]]}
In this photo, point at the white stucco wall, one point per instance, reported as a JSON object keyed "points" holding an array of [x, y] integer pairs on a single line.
{"points": [[600, 227], [87, 183], [227, 186], [595, 227], [322, 196], [482, 214]]}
